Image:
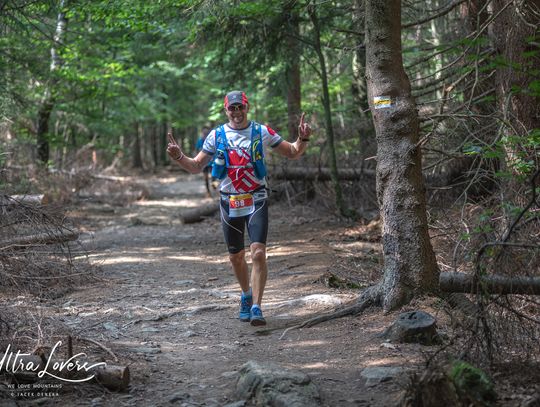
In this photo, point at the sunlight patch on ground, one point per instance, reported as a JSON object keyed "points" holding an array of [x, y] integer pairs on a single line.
{"points": [[173, 203], [203, 258], [294, 247], [381, 361], [119, 260], [186, 258], [180, 292], [305, 343], [318, 365], [168, 180]]}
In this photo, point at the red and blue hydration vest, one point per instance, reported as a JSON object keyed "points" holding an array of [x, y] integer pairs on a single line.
{"points": [[221, 157]]}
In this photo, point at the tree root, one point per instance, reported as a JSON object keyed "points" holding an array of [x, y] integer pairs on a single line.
{"points": [[110, 352], [369, 297]]}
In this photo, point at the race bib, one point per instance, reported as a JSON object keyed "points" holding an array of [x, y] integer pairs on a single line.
{"points": [[241, 205]]}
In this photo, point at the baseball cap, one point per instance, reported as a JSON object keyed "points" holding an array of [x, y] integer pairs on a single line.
{"points": [[236, 96]]}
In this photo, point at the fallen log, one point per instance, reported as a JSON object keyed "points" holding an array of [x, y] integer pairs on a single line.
{"points": [[34, 367], [13, 200], [350, 174], [21, 242], [198, 214], [492, 284], [318, 174], [122, 197]]}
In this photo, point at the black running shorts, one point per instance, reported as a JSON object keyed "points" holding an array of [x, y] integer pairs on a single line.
{"points": [[233, 228]]}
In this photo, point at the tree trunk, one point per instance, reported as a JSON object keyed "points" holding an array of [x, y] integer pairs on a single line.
{"points": [[491, 284], [42, 138], [154, 134], [513, 32], [292, 74], [163, 143], [22, 242], [48, 100], [358, 85], [409, 262], [474, 14], [327, 113], [136, 147]]}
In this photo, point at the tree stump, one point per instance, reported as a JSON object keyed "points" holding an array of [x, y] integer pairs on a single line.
{"points": [[413, 327]]}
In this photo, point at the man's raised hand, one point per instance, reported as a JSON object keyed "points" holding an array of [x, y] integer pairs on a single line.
{"points": [[173, 149], [304, 129]]}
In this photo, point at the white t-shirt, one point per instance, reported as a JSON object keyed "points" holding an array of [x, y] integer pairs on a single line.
{"points": [[241, 180]]}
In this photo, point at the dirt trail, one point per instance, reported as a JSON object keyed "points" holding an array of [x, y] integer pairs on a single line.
{"points": [[168, 303]]}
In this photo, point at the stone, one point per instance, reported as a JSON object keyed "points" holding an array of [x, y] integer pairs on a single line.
{"points": [[150, 329], [109, 326], [230, 374], [184, 282], [268, 384], [378, 374], [180, 396], [188, 334], [146, 350], [240, 403]]}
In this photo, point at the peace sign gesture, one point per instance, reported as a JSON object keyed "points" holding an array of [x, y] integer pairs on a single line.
{"points": [[304, 129], [173, 149]]}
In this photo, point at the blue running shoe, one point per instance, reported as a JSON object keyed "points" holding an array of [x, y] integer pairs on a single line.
{"points": [[246, 301], [257, 318]]}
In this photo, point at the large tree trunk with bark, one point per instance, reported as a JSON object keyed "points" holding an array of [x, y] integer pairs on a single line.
{"points": [[513, 34], [519, 58], [293, 72], [358, 86], [409, 262]]}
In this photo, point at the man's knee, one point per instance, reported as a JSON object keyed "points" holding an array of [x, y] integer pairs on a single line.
{"points": [[237, 258], [258, 253]]}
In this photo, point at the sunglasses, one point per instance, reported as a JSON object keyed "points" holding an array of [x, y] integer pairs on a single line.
{"points": [[235, 108]]}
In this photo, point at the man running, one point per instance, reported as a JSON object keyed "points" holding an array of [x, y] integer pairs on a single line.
{"points": [[239, 147]]}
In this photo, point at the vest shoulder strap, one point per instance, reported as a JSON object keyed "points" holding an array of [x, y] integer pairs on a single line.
{"points": [[257, 151], [221, 141]]}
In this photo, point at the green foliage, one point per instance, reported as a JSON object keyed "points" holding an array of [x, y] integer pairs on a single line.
{"points": [[168, 62], [472, 383], [534, 88]]}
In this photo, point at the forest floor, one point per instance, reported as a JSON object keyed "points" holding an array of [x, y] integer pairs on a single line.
{"points": [[166, 304]]}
